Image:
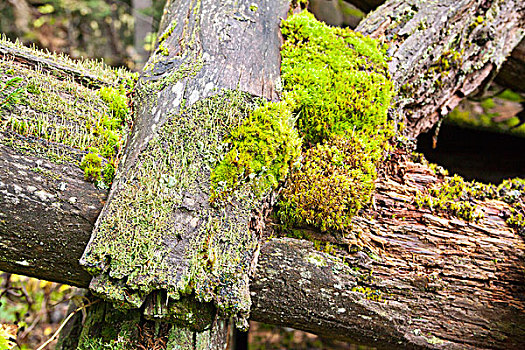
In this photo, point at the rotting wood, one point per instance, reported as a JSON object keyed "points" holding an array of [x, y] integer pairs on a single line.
{"points": [[409, 259]]}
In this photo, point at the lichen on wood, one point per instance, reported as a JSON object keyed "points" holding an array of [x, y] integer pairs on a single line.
{"points": [[57, 108], [163, 203], [159, 233]]}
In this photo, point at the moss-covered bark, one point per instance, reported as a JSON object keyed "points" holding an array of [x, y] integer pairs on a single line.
{"points": [[160, 236], [159, 230]]}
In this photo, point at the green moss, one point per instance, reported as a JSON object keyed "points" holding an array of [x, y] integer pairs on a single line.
{"points": [[370, 294], [336, 80], [117, 102], [460, 198], [92, 165], [476, 22], [104, 328], [457, 197], [449, 60], [10, 93], [487, 104], [100, 344], [337, 85], [262, 150], [65, 116], [465, 116], [335, 180], [510, 95], [167, 33], [141, 229]]}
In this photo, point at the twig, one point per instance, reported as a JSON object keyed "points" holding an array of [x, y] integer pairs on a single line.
{"points": [[57, 332]]}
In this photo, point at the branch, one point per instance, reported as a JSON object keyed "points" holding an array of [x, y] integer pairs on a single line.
{"points": [[421, 278]]}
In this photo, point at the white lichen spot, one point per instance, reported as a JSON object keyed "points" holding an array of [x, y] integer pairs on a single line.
{"points": [[306, 275], [316, 259], [20, 166], [194, 97], [43, 195], [22, 263], [157, 116], [194, 222], [341, 310], [178, 90], [62, 186], [17, 189], [72, 200], [208, 87]]}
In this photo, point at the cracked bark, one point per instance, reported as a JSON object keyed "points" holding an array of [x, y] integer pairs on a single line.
{"points": [[443, 282]]}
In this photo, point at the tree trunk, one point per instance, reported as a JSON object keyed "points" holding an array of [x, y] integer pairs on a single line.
{"points": [[421, 278]]}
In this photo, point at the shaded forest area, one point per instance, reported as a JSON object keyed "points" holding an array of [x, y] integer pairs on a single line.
{"points": [[97, 28]]}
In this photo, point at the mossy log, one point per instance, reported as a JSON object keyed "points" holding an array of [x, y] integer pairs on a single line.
{"points": [[509, 75], [442, 53], [419, 279]]}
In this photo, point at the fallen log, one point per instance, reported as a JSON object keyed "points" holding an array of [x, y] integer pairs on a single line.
{"points": [[407, 275]]}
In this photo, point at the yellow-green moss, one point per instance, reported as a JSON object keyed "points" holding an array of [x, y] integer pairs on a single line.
{"points": [[337, 85], [460, 198], [65, 116], [465, 116], [92, 165], [170, 175], [370, 294], [335, 180], [336, 80], [455, 196], [262, 148], [10, 93]]}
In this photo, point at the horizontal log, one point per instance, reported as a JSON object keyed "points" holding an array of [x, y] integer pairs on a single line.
{"points": [[421, 279], [409, 277]]}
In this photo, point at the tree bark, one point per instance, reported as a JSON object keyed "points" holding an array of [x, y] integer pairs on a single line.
{"points": [[439, 52], [433, 281]]}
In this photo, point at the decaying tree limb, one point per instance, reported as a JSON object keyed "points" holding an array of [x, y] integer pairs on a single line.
{"points": [[442, 53], [421, 279]]}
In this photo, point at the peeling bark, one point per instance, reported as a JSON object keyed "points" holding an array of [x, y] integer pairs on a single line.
{"points": [[420, 279], [441, 282]]}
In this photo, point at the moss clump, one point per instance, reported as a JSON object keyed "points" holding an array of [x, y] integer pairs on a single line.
{"points": [[94, 169], [337, 84], [164, 200], [61, 112], [334, 182], [335, 79], [261, 149], [10, 92], [459, 198], [118, 104], [370, 294], [92, 165], [456, 196]]}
